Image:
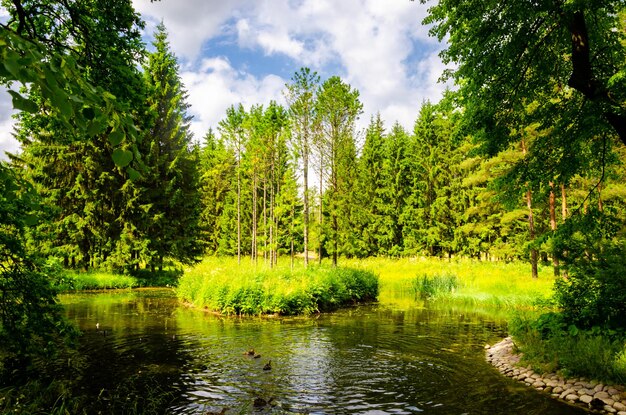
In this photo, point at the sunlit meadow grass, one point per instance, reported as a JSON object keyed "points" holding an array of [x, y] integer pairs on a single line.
{"points": [[479, 283], [96, 280]]}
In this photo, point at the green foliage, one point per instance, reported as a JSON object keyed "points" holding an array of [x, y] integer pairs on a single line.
{"points": [[550, 344], [31, 322], [222, 286], [594, 294], [31, 55]]}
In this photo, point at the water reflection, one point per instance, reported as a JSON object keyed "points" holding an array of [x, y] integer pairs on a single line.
{"points": [[366, 360]]}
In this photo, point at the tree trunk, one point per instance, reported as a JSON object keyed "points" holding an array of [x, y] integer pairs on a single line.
{"points": [[253, 251], [584, 80], [305, 222], [531, 231], [552, 200], [321, 216], [564, 214], [239, 207], [531, 225]]}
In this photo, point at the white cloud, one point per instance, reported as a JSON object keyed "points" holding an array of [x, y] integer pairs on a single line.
{"points": [[190, 23], [370, 44], [7, 141], [217, 85]]}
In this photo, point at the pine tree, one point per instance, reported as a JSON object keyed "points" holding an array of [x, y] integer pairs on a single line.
{"points": [[301, 98], [337, 109]]}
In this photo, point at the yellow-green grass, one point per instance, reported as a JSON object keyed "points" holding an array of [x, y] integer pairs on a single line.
{"points": [[96, 280], [223, 285], [480, 283]]}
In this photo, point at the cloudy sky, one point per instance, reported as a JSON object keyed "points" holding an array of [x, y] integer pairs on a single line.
{"points": [[246, 50]]}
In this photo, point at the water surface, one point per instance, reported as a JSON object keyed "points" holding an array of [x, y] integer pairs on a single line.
{"points": [[152, 354]]}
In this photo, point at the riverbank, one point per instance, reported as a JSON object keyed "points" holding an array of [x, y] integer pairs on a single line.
{"points": [[72, 281], [576, 391]]}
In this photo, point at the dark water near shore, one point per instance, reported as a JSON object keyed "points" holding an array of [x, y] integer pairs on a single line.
{"points": [[152, 354]]}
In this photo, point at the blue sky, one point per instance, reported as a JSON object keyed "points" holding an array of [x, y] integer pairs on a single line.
{"points": [[246, 50]]}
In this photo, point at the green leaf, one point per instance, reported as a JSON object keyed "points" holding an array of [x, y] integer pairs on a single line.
{"points": [[12, 66], [121, 157], [89, 113], [116, 137], [93, 127], [133, 174], [31, 220], [23, 104]]}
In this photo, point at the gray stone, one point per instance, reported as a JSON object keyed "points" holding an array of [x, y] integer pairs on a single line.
{"points": [[601, 395], [610, 409], [599, 388], [557, 389], [572, 397], [538, 384], [586, 398], [568, 391], [619, 406]]}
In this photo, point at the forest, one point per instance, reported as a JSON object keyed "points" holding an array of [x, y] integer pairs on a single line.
{"points": [[522, 161]]}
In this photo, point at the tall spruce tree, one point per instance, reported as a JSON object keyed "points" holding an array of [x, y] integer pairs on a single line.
{"points": [[171, 198]]}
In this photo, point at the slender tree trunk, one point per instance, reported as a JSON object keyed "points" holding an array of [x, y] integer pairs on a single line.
{"points": [[600, 204], [265, 219], [531, 225], [552, 202], [239, 206], [305, 221], [272, 218], [563, 202], [531, 229], [564, 214], [321, 215], [253, 251], [293, 218]]}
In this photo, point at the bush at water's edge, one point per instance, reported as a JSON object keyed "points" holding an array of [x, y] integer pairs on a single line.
{"points": [[222, 287]]}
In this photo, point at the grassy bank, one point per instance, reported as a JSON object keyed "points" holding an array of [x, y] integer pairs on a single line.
{"points": [[103, 280], [221, 285], [459, 282]]}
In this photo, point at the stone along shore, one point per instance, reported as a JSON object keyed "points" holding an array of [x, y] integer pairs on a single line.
{"points": [[578, 391]]}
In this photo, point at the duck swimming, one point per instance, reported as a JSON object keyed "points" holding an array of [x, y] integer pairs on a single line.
{"points": [[268, 365]]}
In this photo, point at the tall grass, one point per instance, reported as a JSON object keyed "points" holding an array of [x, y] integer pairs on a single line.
{"points": [[220, 284], [496, 285]]}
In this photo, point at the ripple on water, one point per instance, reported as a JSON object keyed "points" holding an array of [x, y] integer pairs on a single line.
{"points": [[369, 360]]}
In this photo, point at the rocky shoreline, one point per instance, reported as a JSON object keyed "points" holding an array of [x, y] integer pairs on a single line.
{"points": [[590, 394]]}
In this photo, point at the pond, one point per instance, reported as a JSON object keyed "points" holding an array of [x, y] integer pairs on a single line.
{"points": [[151, 354]]}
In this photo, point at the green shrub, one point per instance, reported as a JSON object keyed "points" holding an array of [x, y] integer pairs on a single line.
{"points": [[594, 294], [550, 344]]}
